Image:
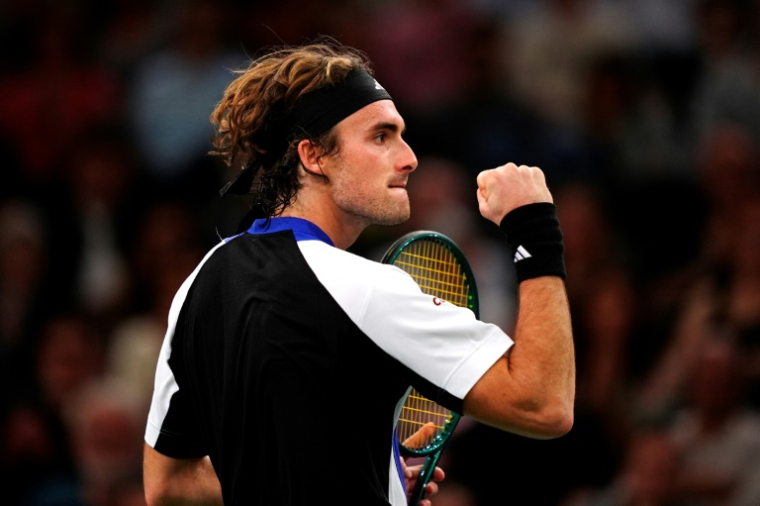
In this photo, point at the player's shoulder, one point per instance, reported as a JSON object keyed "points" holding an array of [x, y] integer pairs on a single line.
{"points": [[318, 250], [350, 265]]}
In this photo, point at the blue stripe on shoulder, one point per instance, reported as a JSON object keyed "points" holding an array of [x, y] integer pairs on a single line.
{"points": [[303, 230]]}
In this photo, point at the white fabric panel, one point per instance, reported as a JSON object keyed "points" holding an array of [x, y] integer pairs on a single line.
{"points": [[396, 494]]}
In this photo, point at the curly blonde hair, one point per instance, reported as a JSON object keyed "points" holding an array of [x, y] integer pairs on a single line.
{"points": [[265, 92]]}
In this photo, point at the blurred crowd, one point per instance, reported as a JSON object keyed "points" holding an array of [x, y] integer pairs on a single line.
{"points": [[643, 114]]}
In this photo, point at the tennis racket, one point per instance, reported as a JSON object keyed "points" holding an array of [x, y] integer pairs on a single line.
{"points": [[440, 269]]}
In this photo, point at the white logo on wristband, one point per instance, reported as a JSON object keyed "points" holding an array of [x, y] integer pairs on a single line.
{"points": [[521, 254]]}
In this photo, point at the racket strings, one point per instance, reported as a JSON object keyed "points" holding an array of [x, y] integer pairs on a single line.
{"points": [[438, 273], [436, 270], [417, 413]]}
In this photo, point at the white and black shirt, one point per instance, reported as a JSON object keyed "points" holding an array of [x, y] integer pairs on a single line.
{"points": [[287, 360]]}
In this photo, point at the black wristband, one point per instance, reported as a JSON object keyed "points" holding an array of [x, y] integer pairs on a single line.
{"points": [[535, 237]]}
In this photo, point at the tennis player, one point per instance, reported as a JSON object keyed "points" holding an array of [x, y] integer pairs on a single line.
{"points": [[287, 359]]}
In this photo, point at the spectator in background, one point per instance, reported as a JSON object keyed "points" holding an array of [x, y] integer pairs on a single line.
{"points": [[729, 90], [104, 426], [93, 216], [69, 355], [646, 479], [592, 245], [167, 237], [550, 48], [23, 266], [630, 123], [729, 174], [131, 30], [663, 387], [743, 291], [717, 437], [171, 95], [665, 28], [35, 441], [606, 328], [721, 34], [743, 304], [419, 48], [32, 450]]}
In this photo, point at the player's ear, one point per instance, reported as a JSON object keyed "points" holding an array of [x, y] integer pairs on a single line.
{"points": [[309, 155]]}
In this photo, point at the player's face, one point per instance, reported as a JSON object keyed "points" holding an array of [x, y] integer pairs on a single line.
{"points": [[372, 165]]}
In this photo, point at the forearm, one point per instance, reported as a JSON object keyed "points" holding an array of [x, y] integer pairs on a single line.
{"points": [[542, 361], [531, 391], [171, 482]]}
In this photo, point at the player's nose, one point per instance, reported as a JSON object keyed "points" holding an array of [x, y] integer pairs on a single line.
{"points": [[407, 159]]}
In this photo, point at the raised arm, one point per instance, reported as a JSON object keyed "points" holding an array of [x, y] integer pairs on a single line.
{"points": [[530, 391], [170, 481]]}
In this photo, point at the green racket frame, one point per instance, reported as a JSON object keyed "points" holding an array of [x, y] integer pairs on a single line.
{"points": [[432, 451]]}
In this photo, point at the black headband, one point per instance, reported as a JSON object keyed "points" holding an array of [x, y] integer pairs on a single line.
{"points": [[314, 114]]}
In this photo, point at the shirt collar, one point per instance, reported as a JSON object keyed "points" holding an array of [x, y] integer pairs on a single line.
{"points": [[303, 230]]}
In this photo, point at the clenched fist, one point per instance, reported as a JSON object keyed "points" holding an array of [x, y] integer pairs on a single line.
{"points": [[508, 187]]}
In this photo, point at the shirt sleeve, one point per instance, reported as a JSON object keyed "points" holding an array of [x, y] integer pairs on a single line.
{"points": [[172, 426], [439, 342], [443, 343]]}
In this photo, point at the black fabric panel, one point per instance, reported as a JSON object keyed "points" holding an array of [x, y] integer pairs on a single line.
{"points": [[179, 437], [296, 403]]}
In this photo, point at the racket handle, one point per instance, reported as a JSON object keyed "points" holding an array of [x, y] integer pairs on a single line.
{"points": [[428, 468]]}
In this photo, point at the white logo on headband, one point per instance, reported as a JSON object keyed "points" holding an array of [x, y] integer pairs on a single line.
{"points": [[377, 85]]}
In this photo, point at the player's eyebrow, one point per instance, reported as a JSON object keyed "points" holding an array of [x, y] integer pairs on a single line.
{"points": [[389, 126]]}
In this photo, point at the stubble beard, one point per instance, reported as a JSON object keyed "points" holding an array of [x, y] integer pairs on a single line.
{"points": [[374, 211]]}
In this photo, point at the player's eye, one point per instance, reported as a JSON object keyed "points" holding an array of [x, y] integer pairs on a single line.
{"points": [[381, 137]]}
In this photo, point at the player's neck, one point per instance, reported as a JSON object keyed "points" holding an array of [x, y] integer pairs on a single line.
{"points": [[343, 230]]}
